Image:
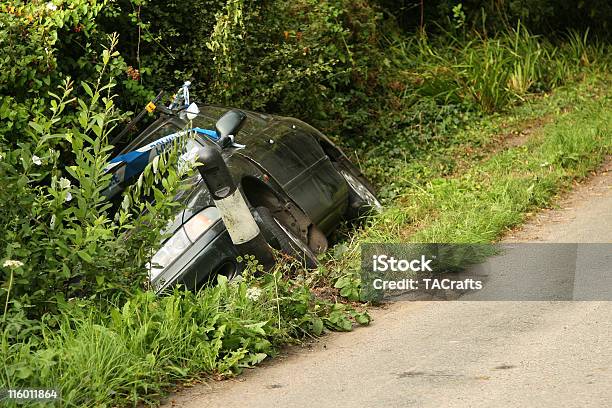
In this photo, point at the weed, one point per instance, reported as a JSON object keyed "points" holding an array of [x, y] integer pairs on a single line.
{"points": [[496, 190], [128, 353]]}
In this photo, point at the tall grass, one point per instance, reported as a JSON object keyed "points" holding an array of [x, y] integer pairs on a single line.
{"points": [[527, 54], [129, 354], [491, 72], [485, 73]]}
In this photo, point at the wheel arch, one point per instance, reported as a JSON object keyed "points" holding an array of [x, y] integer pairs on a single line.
{"points": [[259, 194]]}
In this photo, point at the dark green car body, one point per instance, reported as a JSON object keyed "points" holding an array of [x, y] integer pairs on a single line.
{"points": [[283, 164]]}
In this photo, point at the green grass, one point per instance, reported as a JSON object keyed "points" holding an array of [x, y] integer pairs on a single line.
{"points": [[492, 196], [493, 72], [438, 87], [479, 208], [477, 188], [122, 355], [473, 139], [441, 154]]}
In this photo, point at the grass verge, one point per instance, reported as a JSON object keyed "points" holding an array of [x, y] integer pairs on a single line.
{"points": [[481, 204], [133, 353], [500, 180]]}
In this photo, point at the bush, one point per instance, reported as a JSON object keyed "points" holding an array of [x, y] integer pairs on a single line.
{"points": [[547, 17], [315, 60], [49, 42], [131, 352], [58, 235]]}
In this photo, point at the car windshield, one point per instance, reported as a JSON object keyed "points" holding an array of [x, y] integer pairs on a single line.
{"points": [[154, 132]]}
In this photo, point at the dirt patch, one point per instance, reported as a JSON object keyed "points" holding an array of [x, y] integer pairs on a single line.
{"points": [[514, 135], [518, 137], [326, 293]]}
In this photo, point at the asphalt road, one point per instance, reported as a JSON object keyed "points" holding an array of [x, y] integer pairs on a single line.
{"points": [[454, 354]]}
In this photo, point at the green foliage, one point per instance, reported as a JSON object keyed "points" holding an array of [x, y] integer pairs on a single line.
{"points": [[29, 71], [131, 352], [476, 189], [485, 201], [490, 72], [547, 17], [54, 219], [318, 61], [49, 42], [437, 86], [290, 57], [401, 101], [341, 66]]}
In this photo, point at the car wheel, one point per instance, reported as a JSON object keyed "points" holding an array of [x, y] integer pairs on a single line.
{"points": [[285, 240], [362, 199]]}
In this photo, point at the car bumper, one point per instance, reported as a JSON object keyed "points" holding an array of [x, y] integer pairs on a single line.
{"points": [[213, 253]]}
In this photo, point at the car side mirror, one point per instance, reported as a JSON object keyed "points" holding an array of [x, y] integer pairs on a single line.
{"points": [[228, 125]]}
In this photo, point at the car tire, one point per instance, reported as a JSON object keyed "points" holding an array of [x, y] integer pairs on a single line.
{"points": [[362, 197], [283, 239]]}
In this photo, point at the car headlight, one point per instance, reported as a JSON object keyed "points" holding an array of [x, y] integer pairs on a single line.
{"points": [[201, 222], [182, 239]]}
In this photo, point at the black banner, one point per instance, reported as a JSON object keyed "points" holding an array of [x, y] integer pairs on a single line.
{"points": [[506, 272]]}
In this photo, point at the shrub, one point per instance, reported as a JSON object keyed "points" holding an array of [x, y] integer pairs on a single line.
{"points": [[58, 235], [129, 353]]}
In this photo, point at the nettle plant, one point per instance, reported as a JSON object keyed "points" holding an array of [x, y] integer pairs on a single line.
{"points": [[59, 236]]}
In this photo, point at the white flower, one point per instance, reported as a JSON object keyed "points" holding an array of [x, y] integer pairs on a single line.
{"points": [[64, 183], [51, 6], [253, 293], [9, 263], [36, 160], [68, 196]]}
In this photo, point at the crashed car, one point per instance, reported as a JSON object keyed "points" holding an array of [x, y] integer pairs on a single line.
{"points": [[297, 184]]}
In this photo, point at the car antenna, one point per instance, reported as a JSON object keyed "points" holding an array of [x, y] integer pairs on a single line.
{"points": [[150, 107]]}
